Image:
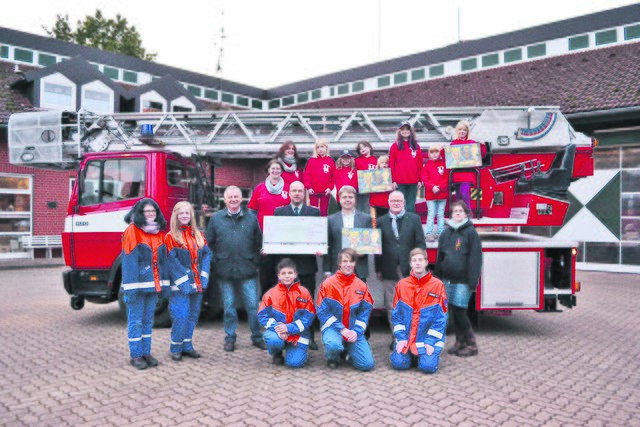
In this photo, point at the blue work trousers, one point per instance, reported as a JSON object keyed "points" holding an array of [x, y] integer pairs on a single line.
{"points": [[295, 356], [185, 311], [359, 352], [140, 309]]}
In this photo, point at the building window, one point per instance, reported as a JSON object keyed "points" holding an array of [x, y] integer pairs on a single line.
{"points": [[303, 97], [46, 60], [152, 107], [606, 37], [211, 94], [112, 73], [15, 213], [579, 42], [490, 60], [181, 109], [58, 96], [436, 70], [130, 77], [631, 32], [195, 91], [469, 64], [357, 86], [97, 101], [242, 101], [274, 103], [113, 180], [513, 55], [256, 104], [288, 100], [418, 74], [536, 50], [343, 89], [400, 78], [23, 55], [4, 52], [316, 94], [384, 81], [227, 98]]}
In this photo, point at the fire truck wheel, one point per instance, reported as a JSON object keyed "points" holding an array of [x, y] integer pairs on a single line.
{"points": [[162, 316]]}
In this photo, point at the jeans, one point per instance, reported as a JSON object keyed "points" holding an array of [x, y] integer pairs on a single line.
{"points": [[295, 356], [402, 361], [359, 352], [249, 290], [410, 192], [435, 207], [185, 311], [140, 309]]}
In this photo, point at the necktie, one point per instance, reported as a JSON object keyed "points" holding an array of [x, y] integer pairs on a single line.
{"points": [[296, 211], [394, 226]]}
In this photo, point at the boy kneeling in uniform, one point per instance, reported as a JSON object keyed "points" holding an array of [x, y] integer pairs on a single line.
{"points": [[419, 317], [286, 312]]}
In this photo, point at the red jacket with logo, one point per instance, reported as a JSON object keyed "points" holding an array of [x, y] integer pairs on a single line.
{"points": [[319, 174], [405, 164], [266, 203], [346, 176], [435, 172]]}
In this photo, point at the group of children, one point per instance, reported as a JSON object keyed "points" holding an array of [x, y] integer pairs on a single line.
{"points": [[409, 172]]}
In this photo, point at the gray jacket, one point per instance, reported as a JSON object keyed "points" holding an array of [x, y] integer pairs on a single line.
{"points": [[235, 243]]}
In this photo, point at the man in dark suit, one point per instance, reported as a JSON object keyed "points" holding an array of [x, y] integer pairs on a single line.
{"points": [[306, 265], [348, 217], [401, 232]]}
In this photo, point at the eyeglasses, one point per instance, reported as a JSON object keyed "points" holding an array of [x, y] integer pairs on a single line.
{"points": [[149, 211], [396, 201]]}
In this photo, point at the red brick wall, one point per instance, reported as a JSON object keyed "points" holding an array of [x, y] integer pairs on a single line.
{"points": [[241, 172], [48, 186]]}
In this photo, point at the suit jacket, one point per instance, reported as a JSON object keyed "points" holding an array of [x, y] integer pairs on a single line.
{"points": [[396, 251], [330, 260], [306, 264]]}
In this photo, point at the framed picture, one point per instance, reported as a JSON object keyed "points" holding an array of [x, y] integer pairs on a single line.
{"points": [[363, 240], [463, 156], [374, 181], [295, 235]]}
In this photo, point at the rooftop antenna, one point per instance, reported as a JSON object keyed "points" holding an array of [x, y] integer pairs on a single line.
{"points": [[379, 29], [459, 39], [220, 45]]}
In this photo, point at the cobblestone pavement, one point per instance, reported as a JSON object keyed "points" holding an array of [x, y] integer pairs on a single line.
{"points": [[61, 367]]}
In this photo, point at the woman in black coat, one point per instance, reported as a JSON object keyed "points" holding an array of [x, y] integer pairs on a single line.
{"points": [[458, 265]]}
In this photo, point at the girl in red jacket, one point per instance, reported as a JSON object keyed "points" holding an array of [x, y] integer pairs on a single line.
{"points": [[292, 167], [435, 177], [405, 160], [346, 173], [319, 176], [465, 179], [364, 161]]}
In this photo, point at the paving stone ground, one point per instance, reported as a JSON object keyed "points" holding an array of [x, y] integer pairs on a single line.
{"points": [[580, 367]]}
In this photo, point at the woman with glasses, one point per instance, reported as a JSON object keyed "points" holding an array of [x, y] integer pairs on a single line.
{"points": [[143, 276]]}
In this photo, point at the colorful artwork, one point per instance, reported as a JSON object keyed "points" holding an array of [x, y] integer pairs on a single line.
{"points": [[363, 240], [374, 181], [463, 156]]}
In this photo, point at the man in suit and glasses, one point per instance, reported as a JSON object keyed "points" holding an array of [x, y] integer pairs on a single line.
{"points": [[401, 232], [306, 264]]}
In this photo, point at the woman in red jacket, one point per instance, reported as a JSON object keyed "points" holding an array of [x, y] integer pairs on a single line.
{"points": [[319, 176], [270, 194], [405, 160], [292, 167], [435, 177]]}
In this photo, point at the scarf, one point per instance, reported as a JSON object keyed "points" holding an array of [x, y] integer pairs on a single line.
{"points": [[274, 189], [394, 222], [456, 225], [286, 161], [151, 227]]}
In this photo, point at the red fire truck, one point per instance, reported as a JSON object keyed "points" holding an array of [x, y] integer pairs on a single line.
{"points": [[533, 156]]}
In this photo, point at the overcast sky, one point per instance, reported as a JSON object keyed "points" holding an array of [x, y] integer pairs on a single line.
{"points": [[269, 43]]}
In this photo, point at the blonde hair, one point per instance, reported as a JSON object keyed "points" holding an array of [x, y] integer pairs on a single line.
{"points": [[434, 147], [176, 232], [320, 142], [339, 164], [465, 124], [383, 158]]}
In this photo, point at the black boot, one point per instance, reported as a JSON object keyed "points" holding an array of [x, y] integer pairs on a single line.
{"points": [[459, 344], [312, 342], [472, 347]]}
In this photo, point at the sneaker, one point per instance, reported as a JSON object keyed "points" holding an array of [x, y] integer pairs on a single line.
{"points": [[278, 359], [139, 363], [229, 346], [152, 362]]}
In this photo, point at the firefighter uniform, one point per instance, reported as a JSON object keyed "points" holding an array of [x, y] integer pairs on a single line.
{"points": [[143, 278], [188, 269], [345, 302], [294, 307], [419, 317]]}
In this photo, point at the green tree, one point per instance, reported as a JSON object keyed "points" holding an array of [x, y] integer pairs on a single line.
{"points": [[113, 35]]}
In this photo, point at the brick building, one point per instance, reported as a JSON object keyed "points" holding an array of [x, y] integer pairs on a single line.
{"points": [[586, 65]]}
